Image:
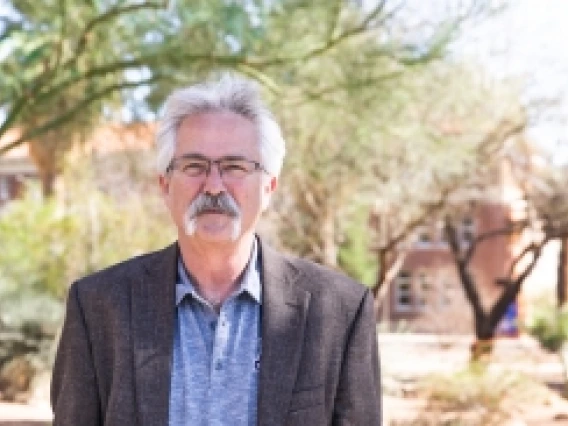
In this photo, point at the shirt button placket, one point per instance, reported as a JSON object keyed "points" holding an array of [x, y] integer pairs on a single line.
{"points": [[217, 370]]}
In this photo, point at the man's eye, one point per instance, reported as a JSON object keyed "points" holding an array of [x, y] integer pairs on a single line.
{"points": [[194, 168], [234, 167]]}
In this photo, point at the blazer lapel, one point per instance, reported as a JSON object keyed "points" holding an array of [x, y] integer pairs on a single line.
{"points": [[153, 310], [284, 308]]}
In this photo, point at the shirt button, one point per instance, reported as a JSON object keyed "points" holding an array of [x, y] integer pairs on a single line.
{"points": [[218, 366]]}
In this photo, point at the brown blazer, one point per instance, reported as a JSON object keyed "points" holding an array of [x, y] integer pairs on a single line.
{"points": [[319, 362]]}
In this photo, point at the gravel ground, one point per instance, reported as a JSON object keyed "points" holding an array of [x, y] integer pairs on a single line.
{"points": [[405, 357]]}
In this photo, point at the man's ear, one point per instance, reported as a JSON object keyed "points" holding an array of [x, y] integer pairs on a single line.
{"points": [[164, 183], [272, 184], [268, 189]]}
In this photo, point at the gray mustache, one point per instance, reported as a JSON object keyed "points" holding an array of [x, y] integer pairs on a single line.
{"points": [[221, 203]]}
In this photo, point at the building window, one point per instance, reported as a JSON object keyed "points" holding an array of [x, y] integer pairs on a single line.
{"points": [[403, 292], [424, 237], [431, 236], [441, 231], [4, 188], [467, 231], [423, 290], [446, 294]]}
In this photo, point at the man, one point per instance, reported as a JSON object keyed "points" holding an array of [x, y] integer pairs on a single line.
{"points": [[218, 328]]}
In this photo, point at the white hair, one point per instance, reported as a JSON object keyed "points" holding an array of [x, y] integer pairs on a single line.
{"points": [[229, 93]]}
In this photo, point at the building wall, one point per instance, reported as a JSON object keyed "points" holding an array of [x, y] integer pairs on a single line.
{"points": [[15, 167], [428, 295]]}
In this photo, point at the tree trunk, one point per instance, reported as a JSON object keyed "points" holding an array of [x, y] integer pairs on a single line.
{"points": [[329, 246], [47, 160], [381, 272], [47, 181], [561, 283], [482, 348]]}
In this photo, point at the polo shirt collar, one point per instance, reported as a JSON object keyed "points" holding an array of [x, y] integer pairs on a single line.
{"points": [[249, 281]]}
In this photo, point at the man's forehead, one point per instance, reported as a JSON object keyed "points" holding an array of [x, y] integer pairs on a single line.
{"points": [[215, 118], [217, 133]]}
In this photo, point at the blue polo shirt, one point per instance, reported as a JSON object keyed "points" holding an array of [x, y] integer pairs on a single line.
{"points": [[216, 357]]}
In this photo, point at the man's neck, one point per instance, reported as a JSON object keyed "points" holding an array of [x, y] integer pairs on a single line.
{"points": [[216, 268]]}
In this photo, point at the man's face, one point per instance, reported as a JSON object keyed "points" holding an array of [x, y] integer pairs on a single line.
{"points": [[216, 135]]}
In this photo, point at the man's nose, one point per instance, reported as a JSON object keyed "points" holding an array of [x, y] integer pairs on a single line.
{"points": [[213, 183]]}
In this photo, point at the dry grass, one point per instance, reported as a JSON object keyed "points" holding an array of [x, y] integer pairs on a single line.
{"points": [[475, 396]]}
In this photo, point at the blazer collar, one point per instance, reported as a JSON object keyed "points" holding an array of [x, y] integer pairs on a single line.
{"points": [[284, 310], [153, 314]]}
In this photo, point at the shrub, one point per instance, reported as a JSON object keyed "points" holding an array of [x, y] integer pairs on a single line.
{"points": [[479, 395], [549, 325]]}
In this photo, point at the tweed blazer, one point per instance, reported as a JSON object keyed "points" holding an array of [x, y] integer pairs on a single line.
{"points": [[319, 363]]}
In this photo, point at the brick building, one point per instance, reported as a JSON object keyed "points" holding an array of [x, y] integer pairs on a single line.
{"points": [[15, 167], [427, 295]]}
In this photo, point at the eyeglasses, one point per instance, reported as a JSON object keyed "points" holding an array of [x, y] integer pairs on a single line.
{"points": [[231, 167]]}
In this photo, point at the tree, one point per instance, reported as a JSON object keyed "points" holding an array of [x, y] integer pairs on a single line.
{"points": [[540, 217], [64, 58], [547, 191], [473, 138], [359, 97], [68, 62], [396, 150]]}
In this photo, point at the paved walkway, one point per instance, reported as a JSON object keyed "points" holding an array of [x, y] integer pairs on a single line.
{"points": [[24, 415], [416, 355]]}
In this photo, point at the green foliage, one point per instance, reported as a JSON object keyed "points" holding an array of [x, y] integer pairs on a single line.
{"points": [[364, 107], [65, 62], [355, 256], [549, 325], [34, 249], [49, 243], [366, 132]]}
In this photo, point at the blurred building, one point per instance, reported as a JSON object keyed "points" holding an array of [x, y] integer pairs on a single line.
{"points": [[427, 295], [123, 149], [15, 167]]}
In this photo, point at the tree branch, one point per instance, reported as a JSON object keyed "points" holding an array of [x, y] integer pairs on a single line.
{"points": [[505, 231], [512, 290], [71, 112], [124, 65], [336, 11], [363, 83], [328, 45], [462, 267], [533, 247], [13, 114], [428, 210], [108, 16]]}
